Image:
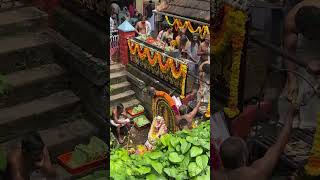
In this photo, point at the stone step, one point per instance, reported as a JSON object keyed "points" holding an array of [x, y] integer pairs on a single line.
{"points": [[33, 83], [118, 77], [40, 113], [120, 88], [25, 19], [62, 138], [122, 97], [116, 68], [131, 103], [8, 5], [22, 51]]}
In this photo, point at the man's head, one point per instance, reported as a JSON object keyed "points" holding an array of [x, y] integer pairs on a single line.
{"points": [[183, 109], [32, 146], [120, 108], [307, 21], [195, 37], [233, 153], [183, 124], [184, 39], [151, 91], [144, 18], [139, 16]]}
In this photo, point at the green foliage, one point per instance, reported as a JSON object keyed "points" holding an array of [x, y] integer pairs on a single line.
{"points": [[138, 109], [141, 120], [184, 155], [85, 153]]}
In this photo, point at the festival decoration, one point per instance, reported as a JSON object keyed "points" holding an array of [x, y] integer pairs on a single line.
{"points": [[163, 103], [313, 166], [232, 32], [166, 64], [203, 31], [207, 114]]}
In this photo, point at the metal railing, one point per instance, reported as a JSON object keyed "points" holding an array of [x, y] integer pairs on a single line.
{"points": [[114, 43]]}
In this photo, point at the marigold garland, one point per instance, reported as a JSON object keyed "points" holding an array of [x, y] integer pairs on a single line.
{"points": [[232, 33], [203, 31], [145, 52], [313, 166]]}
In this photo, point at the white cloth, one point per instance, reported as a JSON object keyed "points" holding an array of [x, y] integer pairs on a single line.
{"points": [[112, 25], [122, 120], [148, 27], [219, 128], [307, 50], [177, 101], [151, 20]]}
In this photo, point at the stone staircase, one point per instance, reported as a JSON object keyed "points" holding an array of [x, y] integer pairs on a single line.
{"points": [[39, 97], [120, 87]]}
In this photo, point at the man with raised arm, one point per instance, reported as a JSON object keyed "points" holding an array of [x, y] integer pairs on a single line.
{"points": [[234, 156]]}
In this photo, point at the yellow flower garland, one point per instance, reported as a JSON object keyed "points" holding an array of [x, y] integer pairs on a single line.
{"points": [[313, 166], [207, 115], [157, 58], [203, 31], [232, 31]]}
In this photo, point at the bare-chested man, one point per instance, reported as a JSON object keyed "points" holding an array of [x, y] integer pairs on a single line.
{"points": [[143, 26], [203, 50], [302, 40], [185, 118], [31, 155], [234, 156]]}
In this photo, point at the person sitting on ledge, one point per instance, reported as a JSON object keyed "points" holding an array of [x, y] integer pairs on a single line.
{"points": [[119, 119], [158, 128]]}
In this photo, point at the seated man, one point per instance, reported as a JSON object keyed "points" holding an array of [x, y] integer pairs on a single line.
{"points": [[234, 155], [158, 128], [184, 115], [30, 155], [119, 119]]}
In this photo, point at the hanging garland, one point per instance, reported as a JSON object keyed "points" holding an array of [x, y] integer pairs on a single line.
{"points": [[202, 30], [313, 166], [232, 31], [177, 70], [207, 115]]}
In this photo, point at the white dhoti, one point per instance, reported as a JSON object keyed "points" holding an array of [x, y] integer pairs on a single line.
{"points": [[123, 122]]}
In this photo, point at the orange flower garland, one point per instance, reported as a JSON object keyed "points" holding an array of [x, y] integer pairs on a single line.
{"points": [[153, 61], [203, 31], [145, 52], [164, 67]]}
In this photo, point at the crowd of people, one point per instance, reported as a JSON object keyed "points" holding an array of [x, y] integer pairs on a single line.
{"points": [[191, 47]]}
